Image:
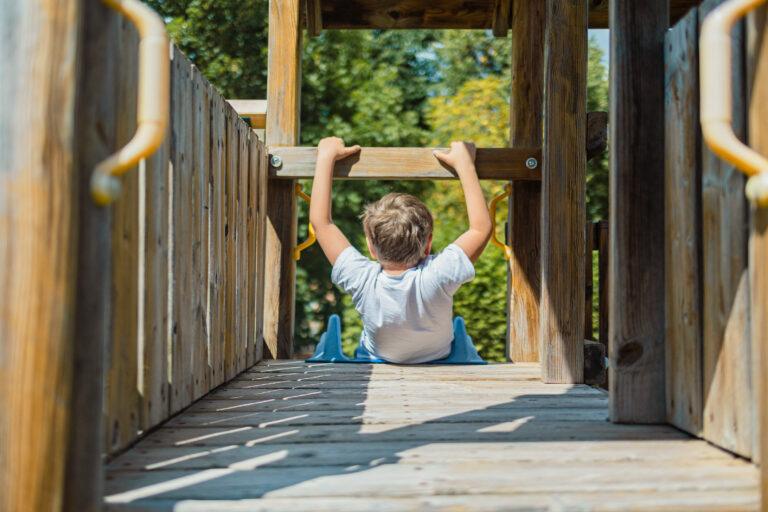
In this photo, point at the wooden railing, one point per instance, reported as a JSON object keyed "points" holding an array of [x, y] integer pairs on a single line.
{"points": [[186, 251]]}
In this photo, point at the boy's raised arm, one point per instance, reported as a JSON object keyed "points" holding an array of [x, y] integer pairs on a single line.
{"points": [[462, 158], [330, 237]]}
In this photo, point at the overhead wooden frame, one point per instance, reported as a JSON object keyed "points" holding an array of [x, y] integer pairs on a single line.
{"points": [[439, 14]]}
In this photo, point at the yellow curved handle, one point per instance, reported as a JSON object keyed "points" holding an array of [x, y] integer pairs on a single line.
{"points": [[504, 247], [153, 100], [312, 237], [716, 97]]}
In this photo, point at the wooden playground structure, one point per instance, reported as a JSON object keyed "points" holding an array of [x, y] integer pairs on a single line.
{"points": [[146, 345]]}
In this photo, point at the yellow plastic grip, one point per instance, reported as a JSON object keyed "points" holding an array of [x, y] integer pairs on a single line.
{"points": [[312, 237], [716, 94], [504, 247], [153, 100]]}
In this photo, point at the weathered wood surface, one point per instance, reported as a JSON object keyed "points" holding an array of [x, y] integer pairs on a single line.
{"points": [[254, 110], [636, 289], [757, 116], [38, 240], [283, 103], [727, 356], [406, 163], [683, 266], [602, 265], [405, 450], [524, 213], [441, 14], [563, 193], [589, 287]]}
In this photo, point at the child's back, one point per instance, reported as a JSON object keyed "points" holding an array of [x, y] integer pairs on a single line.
{"points": [[406, 299]]}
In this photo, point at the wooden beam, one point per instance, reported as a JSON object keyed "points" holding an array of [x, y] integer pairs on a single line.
{"points": [[597, 133], [683, 227], [757, 103], [314, 18], [255, 110], [38, 229], [563, 187], [283, 101], [405, 164], [524, 218], [636, 293], [501, 14], [598, 11]]}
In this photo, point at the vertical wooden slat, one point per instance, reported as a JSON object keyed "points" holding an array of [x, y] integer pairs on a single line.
{"points": [[563, 193], [757, 86], [524, 218], [122, 374], [283, 93], [263, 167], [252, 256], [38, 237], [588, 283], [241, 237], [728, 394], [182, 157], [154, 386], [636, 296], [602, 265], [95, 129], [232, 166], [682, 217], [216, 259]]}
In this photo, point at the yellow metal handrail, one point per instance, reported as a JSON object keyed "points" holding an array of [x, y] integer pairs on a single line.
{"points": [[507, 249], [716, 97], [153, 100], [309, 241]]}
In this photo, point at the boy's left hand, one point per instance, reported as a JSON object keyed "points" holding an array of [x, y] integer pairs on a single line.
{"points": [[333, 148]]}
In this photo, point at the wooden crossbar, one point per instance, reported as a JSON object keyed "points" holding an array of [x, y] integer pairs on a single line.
{"points": [[255, 110], [406, 164]]}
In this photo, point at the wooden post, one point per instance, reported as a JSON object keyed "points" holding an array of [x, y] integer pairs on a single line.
{"points": [[38, 237], [283, 101], [757, 62], [524, 220], [636, 288], [563, 193], [589, 243]]}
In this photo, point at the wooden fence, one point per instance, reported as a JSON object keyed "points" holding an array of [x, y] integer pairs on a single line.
{"points": [[711, 370], [186, 248]]}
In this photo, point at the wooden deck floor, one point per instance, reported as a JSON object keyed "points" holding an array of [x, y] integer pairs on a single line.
{"points": [[288, 436]]}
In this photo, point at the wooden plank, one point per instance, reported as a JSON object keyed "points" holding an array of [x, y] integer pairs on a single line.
{"points": [[314, 18], [255, 110], [217, 257], [757, 118], [406, 163], [603, 255], [262, 169], [563, 193], [241, 238], [588, 286], [232, 168], [636, 288], [283, 101], [122, 402], [682, 218], [727, 372], [154, 370], [39, 156], [182, 159], [598, 11], [502, 10], [524, 217]]}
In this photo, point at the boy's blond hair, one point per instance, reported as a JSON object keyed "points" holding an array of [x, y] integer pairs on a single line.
{"points": [[398, 227]]}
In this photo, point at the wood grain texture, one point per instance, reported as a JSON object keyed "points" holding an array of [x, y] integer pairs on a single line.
{"points": [[636, 275], [563, 193], [38, 238], [728, 393], [524, 217], [589, 245], [603, 252], [682, 217], [217, 253], [123, 401], [232, 168], [283, 102], [502, 10], [442, 14], [406, 163], [757, 118], [241, 237], [314, 17], [254, 110]]}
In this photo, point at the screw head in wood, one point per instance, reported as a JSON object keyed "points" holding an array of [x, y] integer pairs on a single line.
{"points": [[531, 163], [275, 161]]}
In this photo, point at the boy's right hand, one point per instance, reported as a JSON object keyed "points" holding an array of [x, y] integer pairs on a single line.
{"points": [[461, 155], [333, 148]]}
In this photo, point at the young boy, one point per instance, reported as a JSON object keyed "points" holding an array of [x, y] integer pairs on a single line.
{"points": [[406, 299]]}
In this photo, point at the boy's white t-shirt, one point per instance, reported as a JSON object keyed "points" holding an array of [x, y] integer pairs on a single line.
{"points": [[407, 318]]}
